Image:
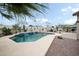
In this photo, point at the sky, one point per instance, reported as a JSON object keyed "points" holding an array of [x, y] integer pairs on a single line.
{"points": [[57, 13]]}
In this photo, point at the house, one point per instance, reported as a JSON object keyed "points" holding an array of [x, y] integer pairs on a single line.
{"points": [[77, 14]]}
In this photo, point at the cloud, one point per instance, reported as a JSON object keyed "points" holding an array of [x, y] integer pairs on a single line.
{"points": [[75, 9], [66, 9], [38, 21], [70, 21], [69, 9], [42, 20]]}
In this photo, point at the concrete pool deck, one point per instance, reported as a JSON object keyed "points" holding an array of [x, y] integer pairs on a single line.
{"points": [[67, 46], [38, 48], [63, 47]]}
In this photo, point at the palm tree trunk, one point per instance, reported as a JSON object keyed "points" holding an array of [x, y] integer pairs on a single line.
{"points": [[24, 28]]}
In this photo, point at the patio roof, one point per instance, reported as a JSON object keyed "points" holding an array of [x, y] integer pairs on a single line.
{"points": [[76, 13]]}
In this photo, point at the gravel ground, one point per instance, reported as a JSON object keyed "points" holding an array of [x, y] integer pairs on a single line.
{"points": [[63, 47]]}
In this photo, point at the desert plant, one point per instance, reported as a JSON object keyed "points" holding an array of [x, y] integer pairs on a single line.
{"points": [[6, 31]]}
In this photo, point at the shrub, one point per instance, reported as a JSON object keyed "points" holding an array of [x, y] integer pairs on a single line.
{"points": [[51, 30], [6, 31]]}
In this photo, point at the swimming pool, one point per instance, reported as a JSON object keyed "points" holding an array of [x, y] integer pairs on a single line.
{"points": [[28, 37]]}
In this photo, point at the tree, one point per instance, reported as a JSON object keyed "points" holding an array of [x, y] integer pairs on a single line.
{"points": [[52, 26], [6, 31], [14, 10], [15, 28], [31, 27], [21, 10], [24, 28], [57, 28]]}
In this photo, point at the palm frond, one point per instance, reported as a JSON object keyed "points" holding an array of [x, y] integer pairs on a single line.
{"points": [[6, 16], [20, 9]]}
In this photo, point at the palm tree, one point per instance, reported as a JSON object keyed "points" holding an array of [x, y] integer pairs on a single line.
{"points": [[21, 10], [24, 28], [14, 10], [23, 22]]}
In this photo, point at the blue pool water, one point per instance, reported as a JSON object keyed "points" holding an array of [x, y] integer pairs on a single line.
{"points": [[28, 37]]}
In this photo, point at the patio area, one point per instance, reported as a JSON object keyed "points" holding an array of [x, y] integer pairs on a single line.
{"points": [[68, 46]]}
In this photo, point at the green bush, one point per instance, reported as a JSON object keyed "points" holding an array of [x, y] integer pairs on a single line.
{"points": [[6, 31]]}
